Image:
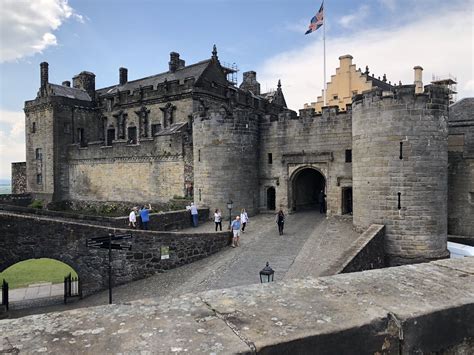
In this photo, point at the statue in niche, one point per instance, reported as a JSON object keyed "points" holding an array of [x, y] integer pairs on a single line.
{"points": [[167, 115], [143, 119], [225, 111], [102, 125], [121, 118], [203, 108]]}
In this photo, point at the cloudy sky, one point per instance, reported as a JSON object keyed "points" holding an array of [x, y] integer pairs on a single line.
{"points": [[390, 36]]}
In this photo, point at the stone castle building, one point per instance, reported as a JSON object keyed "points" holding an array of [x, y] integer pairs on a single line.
{"points": [[379, 151]]}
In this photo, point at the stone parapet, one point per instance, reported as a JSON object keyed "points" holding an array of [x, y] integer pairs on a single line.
{"points": [[421, 309]]}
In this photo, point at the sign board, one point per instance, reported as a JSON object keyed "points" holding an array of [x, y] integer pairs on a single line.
{"points": [[165, 252]]}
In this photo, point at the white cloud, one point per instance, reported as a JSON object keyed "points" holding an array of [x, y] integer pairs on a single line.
{"points": [[12, 140], [26, 26], [438, 49], [355, 18]]}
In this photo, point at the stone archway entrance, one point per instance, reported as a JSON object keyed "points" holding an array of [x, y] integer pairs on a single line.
{"points": [[306, 184]]}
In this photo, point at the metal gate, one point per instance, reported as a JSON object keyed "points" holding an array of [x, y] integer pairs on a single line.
{"points": [[5, 294]]}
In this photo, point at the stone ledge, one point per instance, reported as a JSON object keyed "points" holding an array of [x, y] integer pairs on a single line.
{"points": [[421, 308]]}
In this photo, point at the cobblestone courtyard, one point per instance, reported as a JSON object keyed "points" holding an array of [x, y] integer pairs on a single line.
{"points": [[311, 242]]}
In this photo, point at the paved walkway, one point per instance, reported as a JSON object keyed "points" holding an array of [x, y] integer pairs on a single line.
{"points": [[35, 291], [311, 242]]}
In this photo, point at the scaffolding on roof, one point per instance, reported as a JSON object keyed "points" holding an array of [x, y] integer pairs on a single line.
{"points": [[230, 71], [449, 81]]}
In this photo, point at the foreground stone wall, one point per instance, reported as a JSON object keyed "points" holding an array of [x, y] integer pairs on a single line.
{"points": [[415, 309], [29, 236]]}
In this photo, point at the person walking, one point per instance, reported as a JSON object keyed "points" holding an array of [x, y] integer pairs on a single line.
{"points": [[322, 201], [132, 218], [194, 214], [244, 218], [280, 220], [145, 215], [218, 219], [235, 227]]}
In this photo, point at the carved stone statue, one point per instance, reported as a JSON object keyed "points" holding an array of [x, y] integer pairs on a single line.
{"points": [[167, 114], [121, 117], [143, 119]]}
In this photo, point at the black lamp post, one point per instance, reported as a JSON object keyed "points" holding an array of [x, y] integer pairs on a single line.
{"points": [[230, 204], [266, 275]]}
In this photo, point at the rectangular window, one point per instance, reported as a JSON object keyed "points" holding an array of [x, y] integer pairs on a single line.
{"points": [[348, 155], [270, 158], [39, 154], [335, 97], [199, 155], [155, 128], [39, 179], [33, 127], [81, 139], [110, 136]]}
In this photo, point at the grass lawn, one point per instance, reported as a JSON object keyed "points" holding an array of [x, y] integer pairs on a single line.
{"points": [[34, 271]]}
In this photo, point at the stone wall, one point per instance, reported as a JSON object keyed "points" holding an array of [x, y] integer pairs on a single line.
{"points": [[366, 253], [415, 309], [19, 178], [461, 168], [311, 141], [32, 236], [15, 199], [400, 162]]}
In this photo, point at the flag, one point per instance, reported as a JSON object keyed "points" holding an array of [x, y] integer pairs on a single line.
{"points": [[317, 21]]}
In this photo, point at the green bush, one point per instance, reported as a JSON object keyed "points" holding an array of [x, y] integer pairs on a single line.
{"points": [[36, 204]]}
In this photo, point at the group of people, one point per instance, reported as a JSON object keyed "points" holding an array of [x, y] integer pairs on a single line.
{"points": [[139, 217]]}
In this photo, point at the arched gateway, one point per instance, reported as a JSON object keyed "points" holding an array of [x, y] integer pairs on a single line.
{"points": [[306, 184]]}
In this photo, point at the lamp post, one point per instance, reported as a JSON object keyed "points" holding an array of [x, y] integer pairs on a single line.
{"points": [[230, 204], [266, 275]]}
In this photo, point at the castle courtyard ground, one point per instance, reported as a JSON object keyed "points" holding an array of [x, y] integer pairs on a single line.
{"points": [[310, 244]]}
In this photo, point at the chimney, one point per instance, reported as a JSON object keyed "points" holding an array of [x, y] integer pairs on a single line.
{"points": [[418, 79], [85, 81], [345, 61], [44, 74], [174, 62], [123, 76], [250, 82], [67, 83]]}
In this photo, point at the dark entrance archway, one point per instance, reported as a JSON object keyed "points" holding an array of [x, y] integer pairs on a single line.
{"points": [[347, 200], [306, 186], [271, 198]]}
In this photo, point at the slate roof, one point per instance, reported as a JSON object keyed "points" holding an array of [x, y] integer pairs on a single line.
{"points": [[72, 93], [190, 71], [379, 83]]}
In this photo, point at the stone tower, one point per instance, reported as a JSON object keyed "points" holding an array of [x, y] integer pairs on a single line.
{"points": [[400, 162], [226, 159]]}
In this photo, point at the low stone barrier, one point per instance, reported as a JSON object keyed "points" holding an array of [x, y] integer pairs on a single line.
{"points": [[16, 199], [366, 253], [414, 309], [32, 236]]}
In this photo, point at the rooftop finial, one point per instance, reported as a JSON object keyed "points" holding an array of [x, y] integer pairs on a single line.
{"points": [[214, 53], [367, 70], [279, 84]]}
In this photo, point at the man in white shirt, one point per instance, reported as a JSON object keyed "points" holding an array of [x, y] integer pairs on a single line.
{"points": [[194, 214]]}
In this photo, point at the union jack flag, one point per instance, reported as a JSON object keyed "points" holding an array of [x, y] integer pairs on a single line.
{"points": [[317, 21]]}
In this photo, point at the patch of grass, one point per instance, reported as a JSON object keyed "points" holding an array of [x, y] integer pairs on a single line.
{"points": [[34, 271]]}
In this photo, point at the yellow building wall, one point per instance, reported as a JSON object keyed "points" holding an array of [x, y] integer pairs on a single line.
{"points": [[347, 82]]}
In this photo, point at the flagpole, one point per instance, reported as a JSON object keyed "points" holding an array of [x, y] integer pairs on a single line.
{"points": [[324, 47]]}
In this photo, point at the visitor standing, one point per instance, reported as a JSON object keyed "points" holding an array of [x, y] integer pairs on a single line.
{"points": [[235, 227], [132, 218], [145, 215], [244, 218], [322, 201], [194, 214], [280, 219], [218, 219]]}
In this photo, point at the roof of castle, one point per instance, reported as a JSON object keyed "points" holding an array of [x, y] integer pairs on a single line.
{"points": [[190, 71], [72, 93], [379, 83]]}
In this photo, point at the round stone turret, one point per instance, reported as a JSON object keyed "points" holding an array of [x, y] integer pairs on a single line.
{"points": [[400, 162], [225, 148]]}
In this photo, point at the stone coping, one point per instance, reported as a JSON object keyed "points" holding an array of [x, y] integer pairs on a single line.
{"points": [[421, 308]]}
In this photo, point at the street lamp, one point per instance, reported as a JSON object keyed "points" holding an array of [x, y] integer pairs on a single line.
{"points": [[266, 275], [230, 204]]}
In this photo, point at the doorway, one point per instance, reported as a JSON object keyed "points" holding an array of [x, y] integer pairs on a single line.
{"points": [[347, 200], [271, 196], [307, 183]]}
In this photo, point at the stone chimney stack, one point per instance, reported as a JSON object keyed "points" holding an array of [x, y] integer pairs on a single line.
{"points": [[174, 62], [67, 83], [44, 74], [85, 81], [123, 76], [418, 79], [345, 61], [250, 82]]}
